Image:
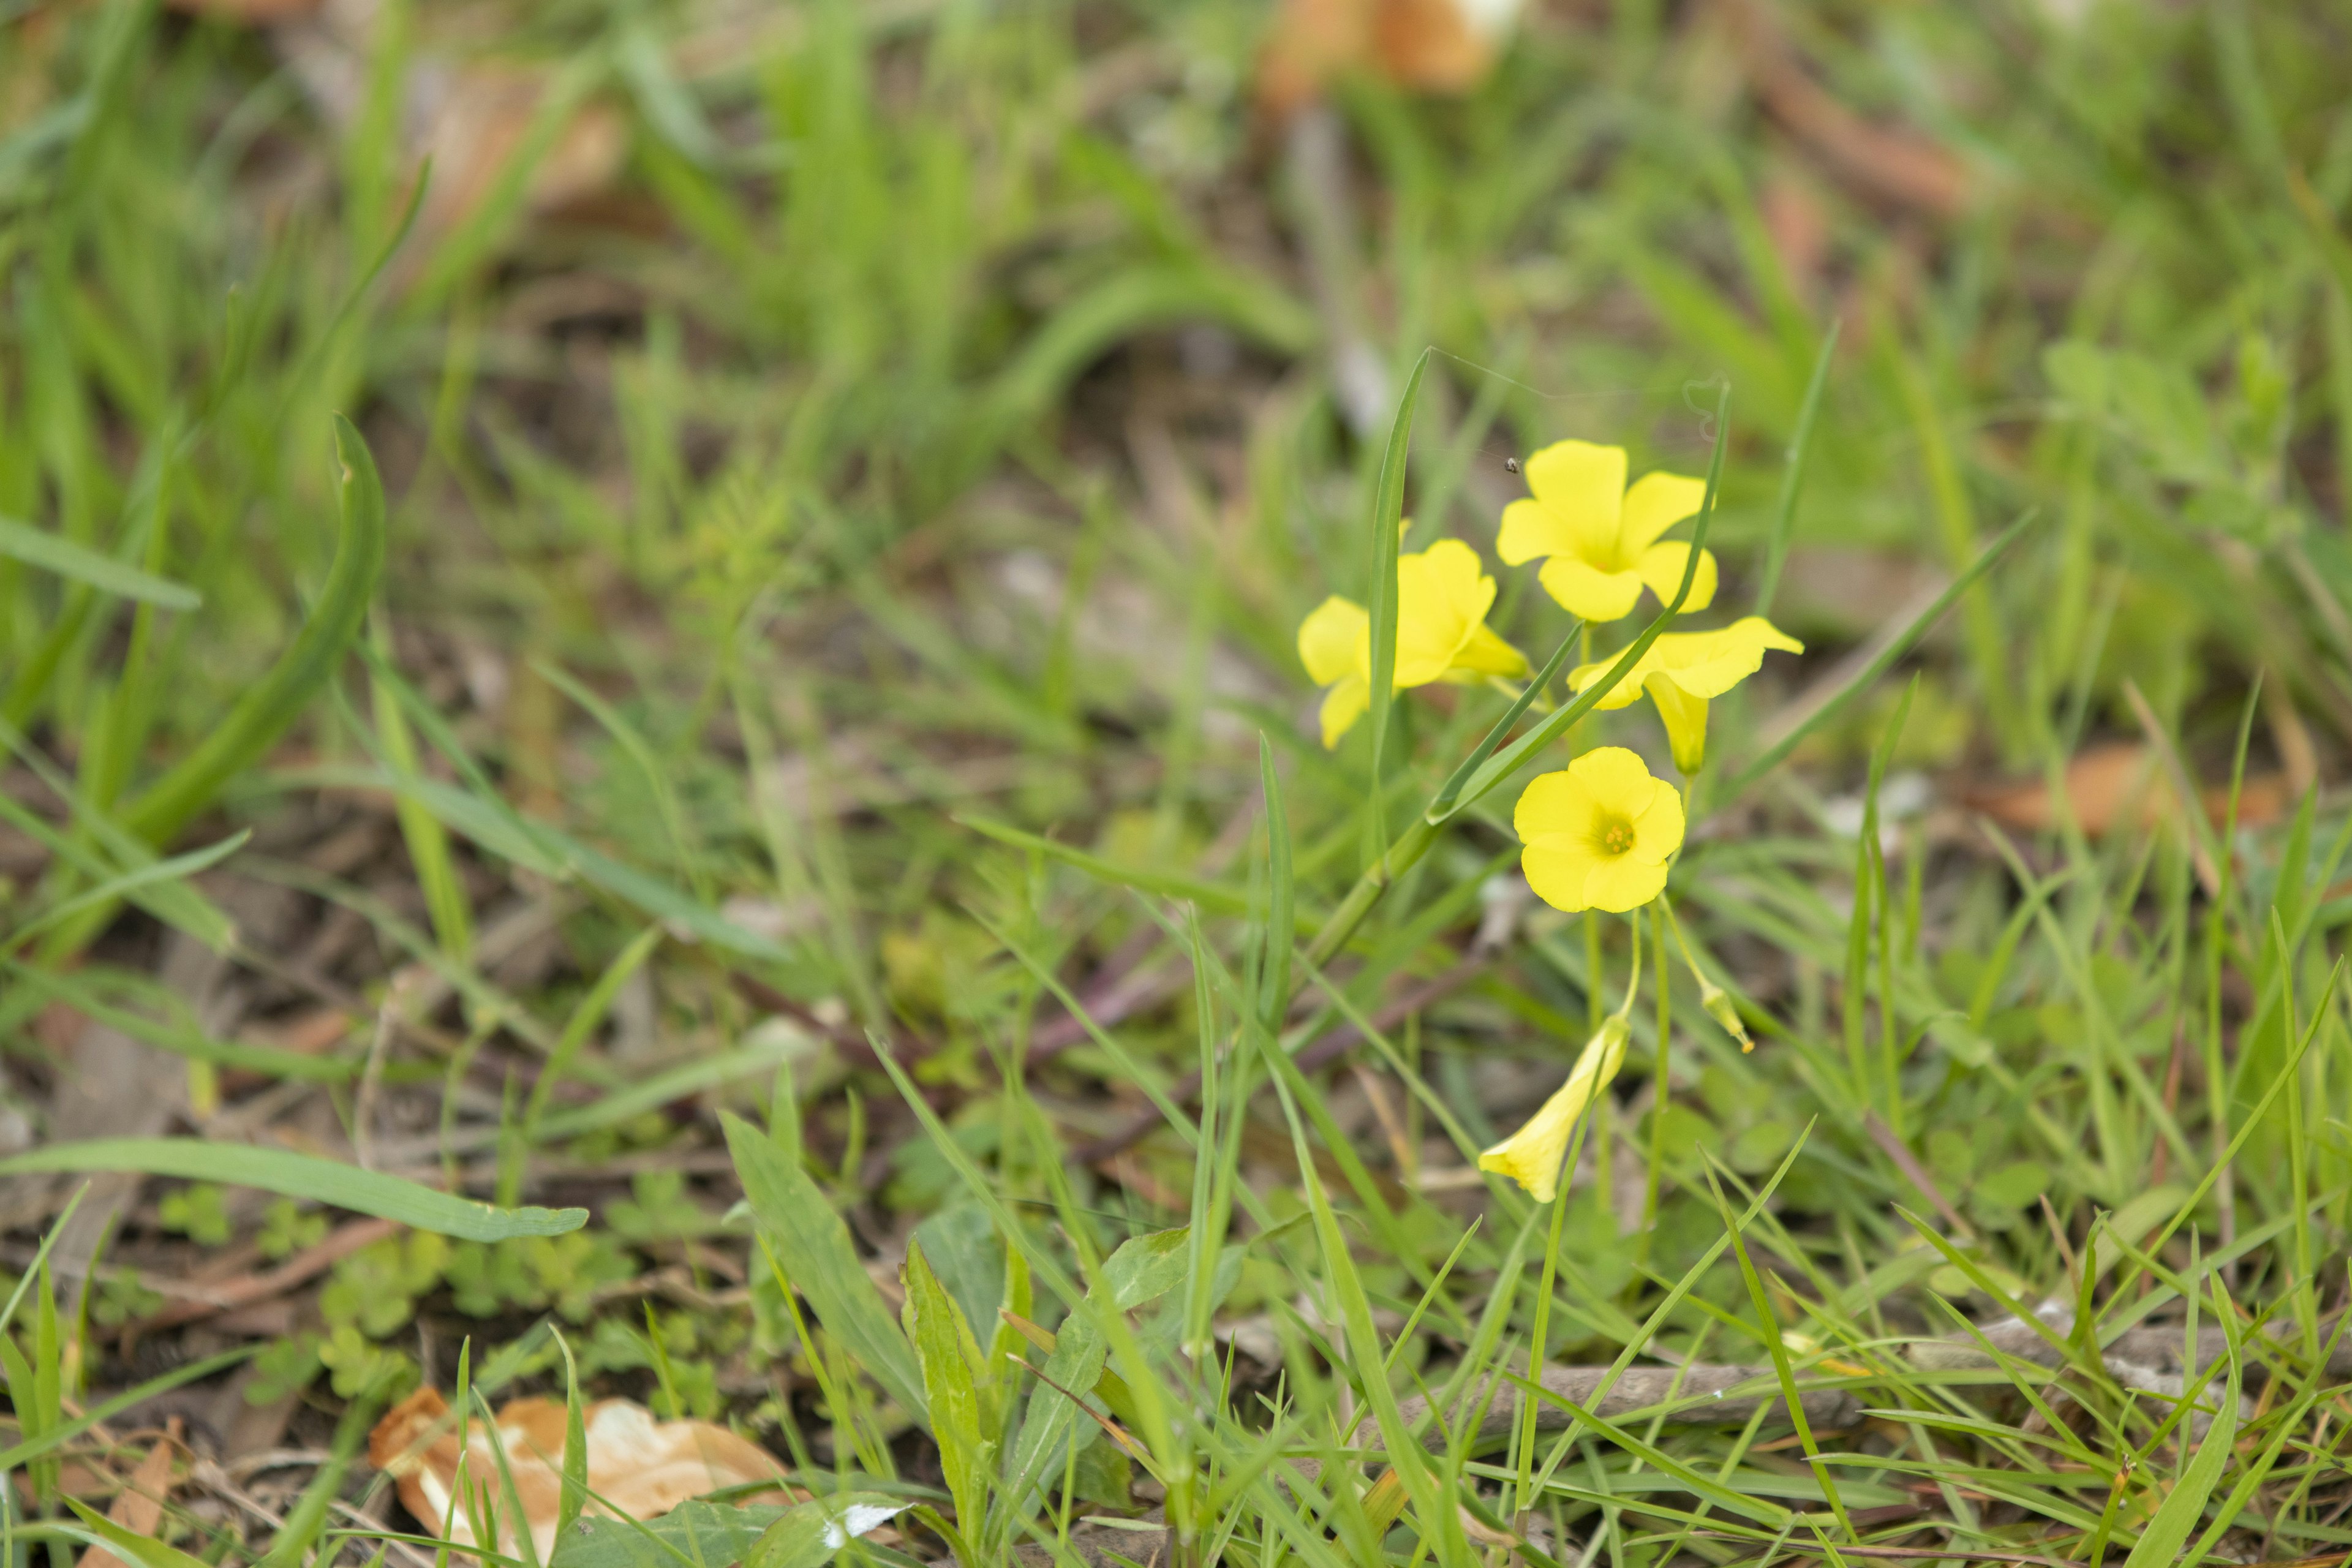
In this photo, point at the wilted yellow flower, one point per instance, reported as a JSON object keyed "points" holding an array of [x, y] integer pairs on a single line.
{"points": [[1599, 834], [1443, 596], [1682, 669], [1532, 1155], [1602, 539]]}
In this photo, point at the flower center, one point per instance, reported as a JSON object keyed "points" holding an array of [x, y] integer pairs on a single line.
{"points": [[1615, 837]]}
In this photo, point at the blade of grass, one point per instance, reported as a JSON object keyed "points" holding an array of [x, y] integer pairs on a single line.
{"points": [[277, 699], [825, 1263], [302, 1176], [1793, 474], [1387, 520], [79, 564], [1780, 749]]}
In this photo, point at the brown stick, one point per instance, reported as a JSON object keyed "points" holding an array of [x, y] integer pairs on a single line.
{"points": [[305, 1265]]}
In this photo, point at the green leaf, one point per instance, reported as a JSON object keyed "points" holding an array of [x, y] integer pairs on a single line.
{"points": [[809, 1535], [2159, 1545], [127, 884], [300, 1175], [704, 1534], [949, 1358], [144, 1550], [278, 697], [1388, 516], [1146, 1268], [814, 1249], [1074, 1365], [55, 552]]}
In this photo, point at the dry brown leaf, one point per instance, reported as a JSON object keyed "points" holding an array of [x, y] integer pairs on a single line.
{"points": [[640, 1467], [1425, 45], [2120, 783], [139, 1507]]}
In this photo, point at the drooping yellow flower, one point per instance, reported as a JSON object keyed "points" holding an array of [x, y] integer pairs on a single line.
{"points": [[1601, 538], [1599, 834], [1443, 596], [1682, 670], [1532, 1155]]}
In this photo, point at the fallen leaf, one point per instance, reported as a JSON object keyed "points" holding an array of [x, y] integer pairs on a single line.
{"points": [[2119, 784], [1423, 46], [139, 1507], [637, 1466]]}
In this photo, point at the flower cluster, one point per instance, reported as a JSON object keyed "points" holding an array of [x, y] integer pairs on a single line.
{"points": [[1602, 832]]}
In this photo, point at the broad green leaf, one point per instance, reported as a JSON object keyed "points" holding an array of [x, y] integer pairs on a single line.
{"points": [[55, 552], [809, 1535], [300, 1175], [960, 1244], [1146, 1268], [949, 1358], [814, 1249]]}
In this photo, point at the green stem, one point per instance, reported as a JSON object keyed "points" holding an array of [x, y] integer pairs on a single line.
{"points": [[1402, 856], [1661, 1089]]}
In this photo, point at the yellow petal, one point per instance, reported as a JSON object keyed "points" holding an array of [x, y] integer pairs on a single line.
{"points": [[1559, 870], [1335, 640], [1443, 594], [1531, 531], [1617, 780], [1654, 504], [1708, 664], [1583, 487], [1684, 716], [1555, 805], [1532, 1155], [1703, 664], [1658, 829], [1582, 589], [1487, 654], [1342, 706], [1623, 883], [1662, 569], [1620, 695]]}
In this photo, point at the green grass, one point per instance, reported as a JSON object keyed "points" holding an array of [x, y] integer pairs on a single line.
{"points": [[782, 631]]}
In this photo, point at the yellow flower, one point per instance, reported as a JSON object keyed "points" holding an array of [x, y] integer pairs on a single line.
{"points": [[1443, 596], [1532, 1155], [1602, 538], [1599, 834], [1682, 669]]}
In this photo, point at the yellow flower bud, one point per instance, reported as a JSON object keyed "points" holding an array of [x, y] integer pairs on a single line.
{"points": [[1532, 1155]]}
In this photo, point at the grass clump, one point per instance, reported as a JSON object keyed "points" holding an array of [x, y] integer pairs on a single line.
{"points": [[677, 760]]}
